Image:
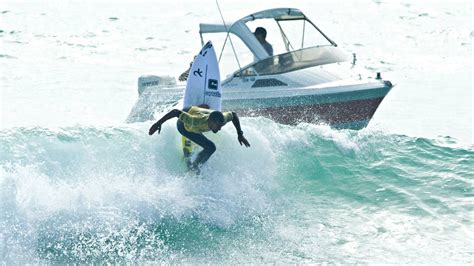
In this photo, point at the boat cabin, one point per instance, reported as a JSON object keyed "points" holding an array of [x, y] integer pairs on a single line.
{"points": [[297, 44]]}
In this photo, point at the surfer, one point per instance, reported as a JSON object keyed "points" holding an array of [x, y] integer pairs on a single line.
{"points": [[193, 121]]}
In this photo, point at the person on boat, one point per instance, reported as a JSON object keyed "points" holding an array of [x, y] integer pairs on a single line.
{"points": [[193, 121], [185, 74], [261, 35]]}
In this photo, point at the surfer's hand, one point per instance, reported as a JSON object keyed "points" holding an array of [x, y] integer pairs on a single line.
{"points": [[243, 140], [156, 126]]}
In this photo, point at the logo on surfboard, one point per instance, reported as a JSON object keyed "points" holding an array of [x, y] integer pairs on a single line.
{"points": [[212, 84], [203, 52], [198, 72], [213, 94]]}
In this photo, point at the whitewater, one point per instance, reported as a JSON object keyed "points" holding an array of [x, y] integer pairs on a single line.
{"points": [[80, 185]]}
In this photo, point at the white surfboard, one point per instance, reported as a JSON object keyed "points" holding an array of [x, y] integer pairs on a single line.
{"points": [[203, 87], [204, 83]]}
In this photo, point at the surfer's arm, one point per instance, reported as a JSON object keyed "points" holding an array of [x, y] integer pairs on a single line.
{"points": [[157, 126], [240, 133]]}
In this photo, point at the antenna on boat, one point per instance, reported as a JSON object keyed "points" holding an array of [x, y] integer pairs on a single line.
{"points": [[228, 36]]}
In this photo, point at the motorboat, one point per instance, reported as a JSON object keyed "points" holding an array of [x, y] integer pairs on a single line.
{"points": [[308, 78]]}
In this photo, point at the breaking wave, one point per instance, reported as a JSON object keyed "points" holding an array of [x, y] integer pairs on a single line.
{"points": [[115, 194]]}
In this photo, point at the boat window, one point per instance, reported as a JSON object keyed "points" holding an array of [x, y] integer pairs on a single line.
{"points": [[228, 62], [299, 34], [295, 60], [289, 35]]}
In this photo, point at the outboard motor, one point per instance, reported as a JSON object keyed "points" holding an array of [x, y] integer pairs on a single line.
{"points": [[145, 82]]}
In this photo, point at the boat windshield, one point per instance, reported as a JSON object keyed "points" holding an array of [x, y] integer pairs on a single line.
{"points": [[294, 60]]}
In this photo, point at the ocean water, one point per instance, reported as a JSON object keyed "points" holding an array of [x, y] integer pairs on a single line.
{"points": [[79, 185]]}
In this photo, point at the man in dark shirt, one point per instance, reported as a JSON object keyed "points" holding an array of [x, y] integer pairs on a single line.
{"points": [[261, 34]]}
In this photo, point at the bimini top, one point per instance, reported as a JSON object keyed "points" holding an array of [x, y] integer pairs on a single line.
{"points": [[243, 32], [276, 13]]}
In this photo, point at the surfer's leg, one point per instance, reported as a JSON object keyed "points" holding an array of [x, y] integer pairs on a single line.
{"points": [[205, 154], [208, 146], [187, 145], [187, 151]]}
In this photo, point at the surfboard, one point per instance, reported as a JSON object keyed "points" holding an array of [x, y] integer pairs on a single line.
{"points": [[204, 83], [202, 88]]}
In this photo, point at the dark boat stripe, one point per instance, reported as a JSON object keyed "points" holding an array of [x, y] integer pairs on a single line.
{"points": [[332, 113]]}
